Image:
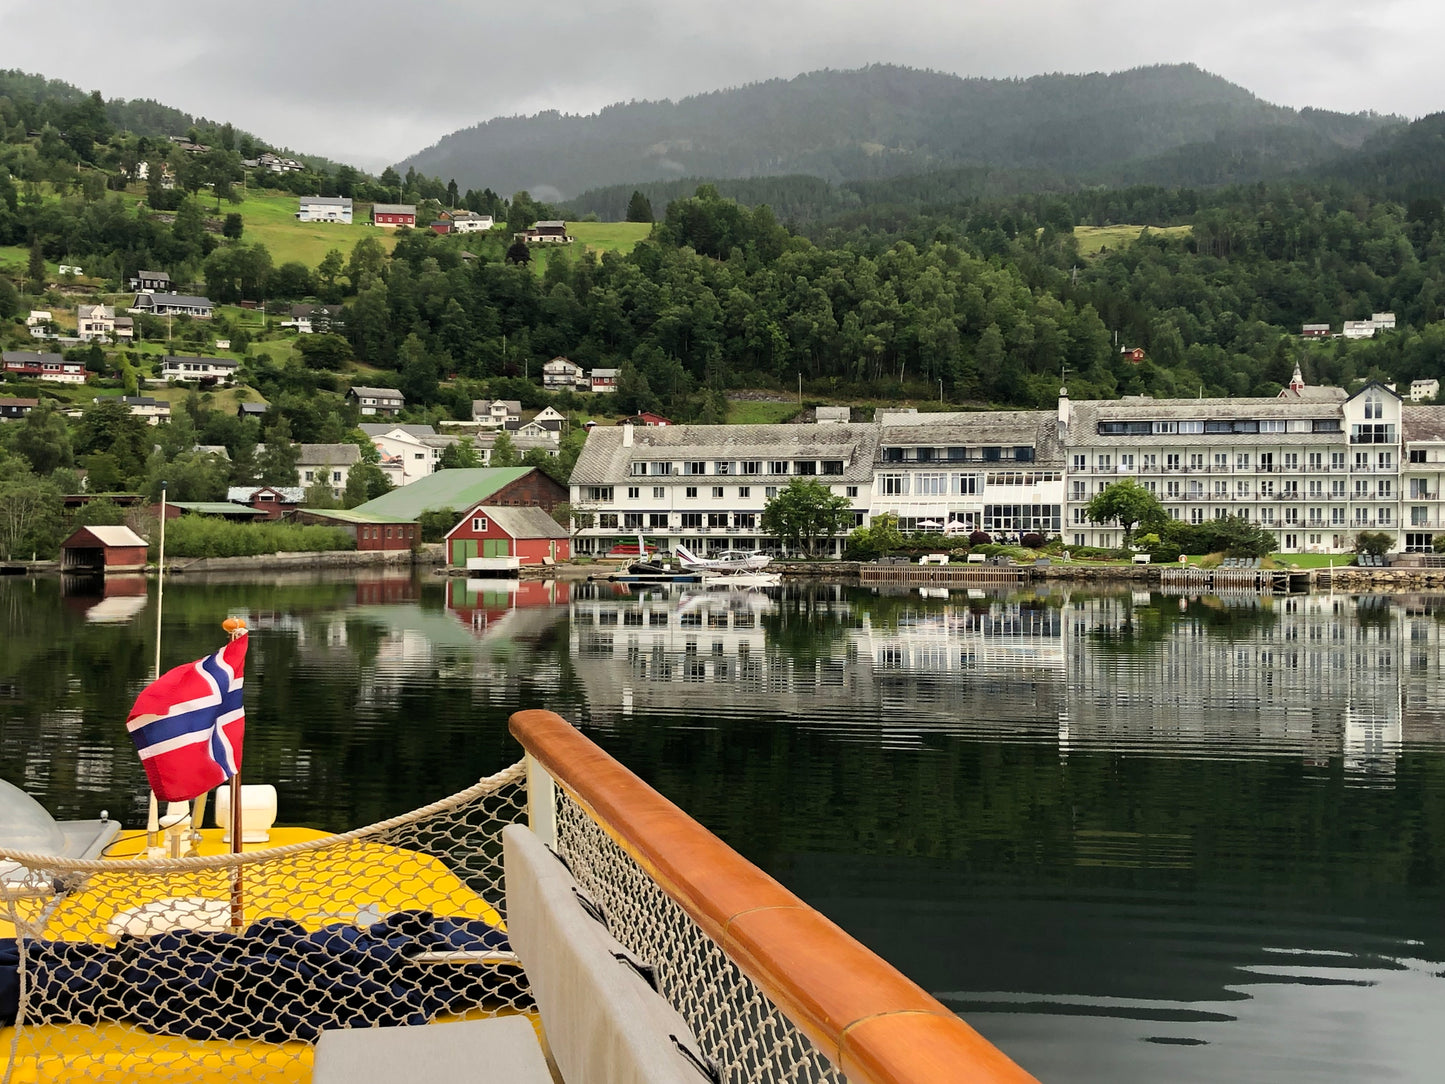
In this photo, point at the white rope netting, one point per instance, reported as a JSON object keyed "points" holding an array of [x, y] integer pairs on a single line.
{"points": [[740, 1031], [123, 969]]}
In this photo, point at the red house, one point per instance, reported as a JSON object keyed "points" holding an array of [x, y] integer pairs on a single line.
{"points": [[393, 214], [1133, 355], [647, 417], [99, 550], [527, 533]]}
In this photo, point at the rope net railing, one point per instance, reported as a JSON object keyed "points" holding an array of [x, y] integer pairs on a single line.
{"points": [[744, 1035], [118, 970]]}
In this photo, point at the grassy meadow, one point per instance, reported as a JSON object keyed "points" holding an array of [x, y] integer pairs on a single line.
{"points": [[1094, 239], [756, 412], [270, 218]]}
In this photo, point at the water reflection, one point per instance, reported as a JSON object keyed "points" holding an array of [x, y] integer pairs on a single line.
{"points": [[1313, 676], [1130, 836]]}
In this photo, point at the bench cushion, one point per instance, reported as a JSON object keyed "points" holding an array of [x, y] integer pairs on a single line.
{"points": [[499, 1050], [604, 1023]]}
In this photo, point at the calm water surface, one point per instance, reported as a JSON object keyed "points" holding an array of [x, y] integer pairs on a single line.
{"points": [[1130, 837]]}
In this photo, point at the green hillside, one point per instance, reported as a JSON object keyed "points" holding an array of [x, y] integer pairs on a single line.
{"points": [[270, 219]]}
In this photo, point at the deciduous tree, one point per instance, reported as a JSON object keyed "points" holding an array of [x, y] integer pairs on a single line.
{"points": [[804, 512]]}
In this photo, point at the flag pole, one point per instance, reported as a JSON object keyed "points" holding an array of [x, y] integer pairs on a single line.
{"points": [[153, 824], [236, 628]]}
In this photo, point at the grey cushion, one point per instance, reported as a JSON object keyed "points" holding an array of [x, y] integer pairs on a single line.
{"points": [[498, 1050], [604, 1023]]}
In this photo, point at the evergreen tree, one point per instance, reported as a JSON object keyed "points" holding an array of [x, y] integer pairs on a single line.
{"points": [[639, 208]]}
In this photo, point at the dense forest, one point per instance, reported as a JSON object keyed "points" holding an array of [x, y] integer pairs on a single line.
{"points": [[1167, 124]]}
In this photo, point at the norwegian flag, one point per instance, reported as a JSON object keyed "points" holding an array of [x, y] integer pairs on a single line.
{"points": [[187, 725]]}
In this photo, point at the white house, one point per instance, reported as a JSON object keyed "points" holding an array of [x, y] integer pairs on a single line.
{"points": [[408, 452], [325, 209], [154, 411], [470, 222], [329, 463], [307, 319], [497, 413], [222, 370], [562, 373], [39, 322], [94, 322], [1420, 390]]}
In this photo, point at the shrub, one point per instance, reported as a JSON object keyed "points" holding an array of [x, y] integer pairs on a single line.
{"points": [[203, 536], [1377, 543], [980, 538], [1032, 541], [1439, 544]]}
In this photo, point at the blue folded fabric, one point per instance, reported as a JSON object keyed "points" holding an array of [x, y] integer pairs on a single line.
{"points": [[275, 981]]}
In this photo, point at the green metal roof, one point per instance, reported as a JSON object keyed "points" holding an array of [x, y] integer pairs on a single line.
{"points": [[217, 508], [454, 489], [353, 515]]}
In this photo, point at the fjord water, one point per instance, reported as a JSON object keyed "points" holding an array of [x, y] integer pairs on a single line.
{"points": [[1129, 837]]}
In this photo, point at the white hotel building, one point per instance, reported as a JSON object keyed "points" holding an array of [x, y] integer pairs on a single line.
{"points": [[1314, 466]]}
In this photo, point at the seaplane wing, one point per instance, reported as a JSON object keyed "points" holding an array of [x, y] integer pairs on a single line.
{"points": [[733, 561]]}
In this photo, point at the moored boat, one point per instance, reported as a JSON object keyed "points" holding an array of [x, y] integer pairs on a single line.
{"points": [[768, 988]]}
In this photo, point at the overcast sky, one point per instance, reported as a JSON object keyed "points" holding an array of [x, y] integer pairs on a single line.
{"points": [[370, 82]]}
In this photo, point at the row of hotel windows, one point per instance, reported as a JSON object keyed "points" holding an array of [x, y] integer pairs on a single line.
{"points": [[1262, 462], [959, 485], [1289, 490], [661, 521], [991, 454], [1237, 425], [658, 468], [1290, 517], [659, 493]]}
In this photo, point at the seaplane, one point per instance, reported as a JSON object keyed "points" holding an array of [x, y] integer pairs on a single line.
{"points": [[734, 567]]}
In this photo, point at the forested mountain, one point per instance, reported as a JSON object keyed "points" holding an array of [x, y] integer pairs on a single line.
{"points": [[1402, 163], [1144, 124]]}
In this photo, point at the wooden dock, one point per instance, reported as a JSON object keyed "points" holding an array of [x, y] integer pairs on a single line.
{"points": [[1270, 581], [945, 575]]}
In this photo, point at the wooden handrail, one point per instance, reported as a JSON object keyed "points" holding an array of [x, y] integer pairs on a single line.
{"points": [[873, 1023]]}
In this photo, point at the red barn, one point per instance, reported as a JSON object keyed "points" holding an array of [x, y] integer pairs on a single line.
{"points": [[526, 533], [100, 550], [371, 532]]}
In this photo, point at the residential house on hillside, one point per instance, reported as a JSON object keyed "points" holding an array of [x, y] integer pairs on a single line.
{"points": [[307, 319], [252, 410], [1134, 355], [329, 463], [604, 380], [1421, 390], [325, 209], [561, 373], [497, 412], [94, 322], [442, 226], [151, 282], [276, 164], [392, 215], [15, 409], [534, 429], [154, 304], [551, 232], [374, 401], [470, 222], [408, 452], [153, 410], [52, 367], [1315, 331], [647, 417], [41, 324], [205, 370]]}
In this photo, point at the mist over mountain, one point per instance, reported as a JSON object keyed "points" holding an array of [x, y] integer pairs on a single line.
{"points": [[1162, 123]]}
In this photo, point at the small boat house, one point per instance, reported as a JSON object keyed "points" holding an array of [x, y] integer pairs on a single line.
{"points": [[98, 550]]}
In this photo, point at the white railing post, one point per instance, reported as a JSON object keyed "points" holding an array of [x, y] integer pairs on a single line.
{"points": [[541, 802]]}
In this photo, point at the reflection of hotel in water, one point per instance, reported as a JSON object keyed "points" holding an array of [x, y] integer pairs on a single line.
{"points": [[1312, 676]]}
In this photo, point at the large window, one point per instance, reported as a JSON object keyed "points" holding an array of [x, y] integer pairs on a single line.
{"points": [[894, 485], [692, 521]]}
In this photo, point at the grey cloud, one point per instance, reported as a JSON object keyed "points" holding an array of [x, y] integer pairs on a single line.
{"points": [[371, 82]]}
